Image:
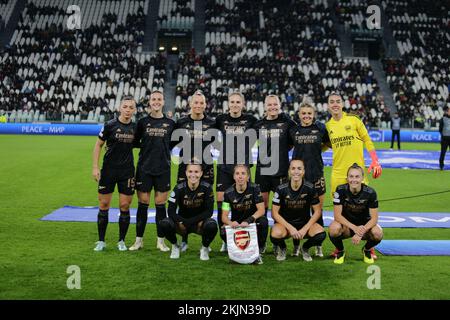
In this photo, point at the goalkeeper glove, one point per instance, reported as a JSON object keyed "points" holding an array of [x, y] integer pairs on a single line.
{"points": [[375, 165]]}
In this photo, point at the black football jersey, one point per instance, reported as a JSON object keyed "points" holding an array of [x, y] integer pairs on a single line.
{"points": [[274, 129], [197, 133], [119, 139], [295, 206], [153, 137], [231, 128], [243, 205], [356, 207], [307, 143], [192, 203]]}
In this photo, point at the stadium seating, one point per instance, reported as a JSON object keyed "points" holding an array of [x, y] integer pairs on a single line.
{"points": [[289, 50], [177, 14], [6, 9], [420, 79], [48, 67]]}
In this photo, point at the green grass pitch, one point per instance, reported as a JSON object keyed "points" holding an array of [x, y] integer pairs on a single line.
{"points": [[42, 173]]}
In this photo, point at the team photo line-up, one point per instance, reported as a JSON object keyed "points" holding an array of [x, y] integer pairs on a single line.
{"points": [[298, 185]]}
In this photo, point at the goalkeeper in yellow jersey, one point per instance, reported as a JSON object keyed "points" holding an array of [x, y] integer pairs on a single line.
{"points": [[347, 136]]}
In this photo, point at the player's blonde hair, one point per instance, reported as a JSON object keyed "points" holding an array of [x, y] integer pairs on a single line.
{"points": [[272, 96], [197, 93], [237, 93], [307, 105]]}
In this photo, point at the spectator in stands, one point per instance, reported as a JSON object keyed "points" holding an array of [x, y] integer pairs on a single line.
{"points": [[395, 126]]}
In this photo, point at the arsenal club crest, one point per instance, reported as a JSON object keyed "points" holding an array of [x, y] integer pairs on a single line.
{"points": [[242, 239]]}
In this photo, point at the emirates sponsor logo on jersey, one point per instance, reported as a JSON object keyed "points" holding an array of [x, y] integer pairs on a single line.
{"points": [[242, 239]]}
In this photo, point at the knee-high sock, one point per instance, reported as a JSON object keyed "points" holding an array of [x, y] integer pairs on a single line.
{"points": [[141, 219], [102, 223], [160, 215], [209, 231], [124, 223], [168, 230], [371, 243], [219, 213], [278, 242], [337, 241], [316, 240], [262, 227], [223, 234]]}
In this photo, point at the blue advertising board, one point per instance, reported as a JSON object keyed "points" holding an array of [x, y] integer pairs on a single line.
{"points": [[94, 129]]}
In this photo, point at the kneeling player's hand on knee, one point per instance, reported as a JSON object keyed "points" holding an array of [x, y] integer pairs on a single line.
{"points": [[361, 231], [302, 232], [294, 233], [356, 239]]}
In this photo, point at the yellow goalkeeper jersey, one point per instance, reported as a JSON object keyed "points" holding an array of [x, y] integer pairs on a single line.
{"points": [[347, 137]]}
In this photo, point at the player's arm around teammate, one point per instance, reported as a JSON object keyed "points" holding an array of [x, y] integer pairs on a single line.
{"points": [[348, 136], [291, 206], [197, 126], [194, 200], [233, 125], [355, 215], [118, 168], [309, 138], [274, 127], [153, 170]]}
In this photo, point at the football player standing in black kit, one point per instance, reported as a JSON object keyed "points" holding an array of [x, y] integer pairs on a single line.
{"points": [[232, 125], [272, 129], [195, 202], [153, 169], [118, 168], [246, 204], [309, 138], [355, 215], [196, 126], [444, 130], [291, 210]]}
